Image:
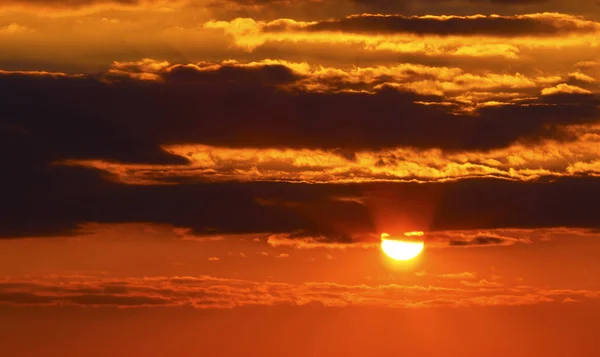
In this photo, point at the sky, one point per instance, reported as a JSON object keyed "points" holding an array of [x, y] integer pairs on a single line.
{"points": [[213, 177]]}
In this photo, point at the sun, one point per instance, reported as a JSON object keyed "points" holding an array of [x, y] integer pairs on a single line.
{"points": [[402, 249]]}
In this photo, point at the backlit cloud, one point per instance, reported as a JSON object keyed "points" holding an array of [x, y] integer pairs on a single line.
{"points": [[436, 240], [470, 36], [477, 25], [520, 162]]}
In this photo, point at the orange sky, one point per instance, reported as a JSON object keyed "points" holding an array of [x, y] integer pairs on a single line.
{"points": [[212, 178]]}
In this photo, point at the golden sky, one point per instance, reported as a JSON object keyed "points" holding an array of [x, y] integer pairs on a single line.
{"points": [[213, 177]]}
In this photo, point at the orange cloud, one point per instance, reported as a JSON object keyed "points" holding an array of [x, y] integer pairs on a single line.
{"points": [[250, 34], [541, 24], [483, 283], [451, 82], [459, 276], [40, 74], [565, 88], [523, 162], [206, 292]]}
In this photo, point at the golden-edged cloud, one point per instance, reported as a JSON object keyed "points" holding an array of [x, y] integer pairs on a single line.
{"points": [[565, 88], [470, 36], [521, 162], [541, 24], [452, 83], [560, 139]]}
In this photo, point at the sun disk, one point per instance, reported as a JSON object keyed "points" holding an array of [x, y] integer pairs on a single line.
{"points": [[400, 249]]}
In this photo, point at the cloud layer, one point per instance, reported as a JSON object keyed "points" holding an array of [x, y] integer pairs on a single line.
{"points": [[142, 137], [206, 292]]}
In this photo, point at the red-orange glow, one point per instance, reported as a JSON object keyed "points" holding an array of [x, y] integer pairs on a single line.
{"points": [[215, 177]]}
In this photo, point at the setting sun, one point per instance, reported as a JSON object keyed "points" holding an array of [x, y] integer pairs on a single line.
{"points": [[300, 178], [400, 249]]}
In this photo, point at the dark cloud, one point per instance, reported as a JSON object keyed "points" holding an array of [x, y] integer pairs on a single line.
{"points": [[382, 5], [391, 4], [469, 7], [57, 200], [481, 240], [84, 118], [265, 74], [469, 26], [322, 9], [46, 119]]}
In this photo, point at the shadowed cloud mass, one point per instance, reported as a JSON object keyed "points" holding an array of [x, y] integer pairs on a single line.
{"points": [[139, 123]]}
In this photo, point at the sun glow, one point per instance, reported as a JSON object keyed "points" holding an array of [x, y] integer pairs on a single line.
{"points": [[400, 249]]}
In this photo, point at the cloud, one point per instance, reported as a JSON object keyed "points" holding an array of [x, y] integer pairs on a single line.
{"points": [[14, 28], [435, 240], [458, 276], [430, 36], [268, 72], [66, 197], [205, 292], [565, 88], [483, 283], [322, 242], [274, 117], [481, 240], [171, 136], [477, 25], [519, 162], [337, 8]]}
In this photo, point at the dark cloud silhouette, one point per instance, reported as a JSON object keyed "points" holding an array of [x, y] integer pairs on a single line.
{"points": [[57, 200], [129, 120], [264, 74], [46, 119], [469, 26], [381, 5], [481, 240]]}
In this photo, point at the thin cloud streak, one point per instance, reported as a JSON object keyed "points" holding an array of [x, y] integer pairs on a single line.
{"points": [[450, 239], [206, 292], [250, 34]]}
